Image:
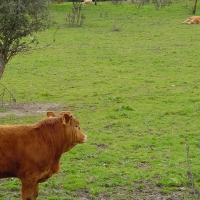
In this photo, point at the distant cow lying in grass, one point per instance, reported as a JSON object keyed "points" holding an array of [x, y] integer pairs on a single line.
{"points": [[87, 2], [192, 20], [32, 152]]}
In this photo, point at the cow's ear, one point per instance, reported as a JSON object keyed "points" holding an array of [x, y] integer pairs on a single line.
{"points": [[50, 114], [66, 118]]}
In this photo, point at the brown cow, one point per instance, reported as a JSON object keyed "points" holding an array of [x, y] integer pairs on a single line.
{"points": [[32, 152], [192, 20]]}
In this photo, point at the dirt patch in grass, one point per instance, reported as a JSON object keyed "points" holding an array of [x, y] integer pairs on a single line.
{"points": [[101, 146], [139, 191], [22, 109]]}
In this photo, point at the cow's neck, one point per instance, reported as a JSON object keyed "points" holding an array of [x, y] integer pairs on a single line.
{"points": [[58, 139]]}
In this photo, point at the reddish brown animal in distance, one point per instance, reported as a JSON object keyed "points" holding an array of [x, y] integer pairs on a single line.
{"points": [[192, 20], [32, 152]]}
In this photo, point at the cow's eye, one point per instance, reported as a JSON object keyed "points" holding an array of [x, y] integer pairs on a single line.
{"points": [[77, 126]]}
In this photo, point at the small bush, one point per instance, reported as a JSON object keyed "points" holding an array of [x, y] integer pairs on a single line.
{"points": [[76, 18]]}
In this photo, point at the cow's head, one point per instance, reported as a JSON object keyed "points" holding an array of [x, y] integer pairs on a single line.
{"points": [[72, 125]]}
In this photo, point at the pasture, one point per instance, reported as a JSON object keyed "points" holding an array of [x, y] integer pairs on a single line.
{"points": [[131, 77]]}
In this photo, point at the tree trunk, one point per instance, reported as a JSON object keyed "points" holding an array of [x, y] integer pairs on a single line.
{"points": [[195, 7], [3, 62]]}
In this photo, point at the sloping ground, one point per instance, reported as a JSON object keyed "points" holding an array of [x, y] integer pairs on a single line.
{"points": [[150, 191], [144, 190]]}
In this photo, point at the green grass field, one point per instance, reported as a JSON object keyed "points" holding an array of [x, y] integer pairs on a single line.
{"points": [[136, 92]]}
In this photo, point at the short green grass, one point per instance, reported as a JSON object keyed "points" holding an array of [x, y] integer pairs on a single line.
{"points": [[135, 92]]}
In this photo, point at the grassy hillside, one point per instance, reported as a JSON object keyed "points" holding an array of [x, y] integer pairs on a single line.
{"points": [[131, 77]]}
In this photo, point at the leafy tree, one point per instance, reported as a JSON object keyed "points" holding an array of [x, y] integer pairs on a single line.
{"points": [[18, 19]]}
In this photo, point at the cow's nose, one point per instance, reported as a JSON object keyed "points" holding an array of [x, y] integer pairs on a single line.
{"points": [[85, 139]]}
